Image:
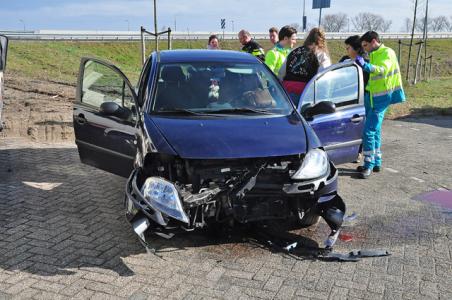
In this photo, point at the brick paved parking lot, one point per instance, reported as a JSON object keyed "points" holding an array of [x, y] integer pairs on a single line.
{"points": [[63, 233]]}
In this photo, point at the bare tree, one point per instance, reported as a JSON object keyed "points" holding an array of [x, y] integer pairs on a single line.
{"points": [[385, 25], [369, 21], [335, 22], [419, 26], [407, 25], [440, 23]]}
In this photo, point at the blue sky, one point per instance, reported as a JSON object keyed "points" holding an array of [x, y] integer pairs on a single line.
{"points": [[195, 15]]}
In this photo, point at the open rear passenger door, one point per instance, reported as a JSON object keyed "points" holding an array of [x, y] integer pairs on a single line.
{"points": [[3, 53], [340, 126], [105, 117]]}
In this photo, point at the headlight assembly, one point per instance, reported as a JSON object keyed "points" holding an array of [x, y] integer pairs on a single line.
{"points": [[163, 195], [315, 165]]}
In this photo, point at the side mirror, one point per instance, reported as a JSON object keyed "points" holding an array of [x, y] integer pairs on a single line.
{"points": [[323, 107], [114, 109]]}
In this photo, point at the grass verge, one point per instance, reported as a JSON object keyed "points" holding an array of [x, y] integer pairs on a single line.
{"points": [[59, 61]]}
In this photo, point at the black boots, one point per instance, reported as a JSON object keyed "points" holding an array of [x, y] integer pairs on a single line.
{"points": [[376, 169]]}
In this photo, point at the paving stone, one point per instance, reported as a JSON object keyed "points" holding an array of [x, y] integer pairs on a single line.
{"points": [[74, 242]]}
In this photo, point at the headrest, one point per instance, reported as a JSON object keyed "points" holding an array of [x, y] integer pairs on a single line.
{"points": [[173, 73]]}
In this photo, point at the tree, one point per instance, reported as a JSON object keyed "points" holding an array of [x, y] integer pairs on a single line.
{"points": [[440, 23], [407, 25], [335, 22], [419, 26], [385, 25], [370, 21]]}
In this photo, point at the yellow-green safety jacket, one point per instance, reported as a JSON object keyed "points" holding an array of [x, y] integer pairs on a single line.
{"points": [[385, 81], [276, 57]]}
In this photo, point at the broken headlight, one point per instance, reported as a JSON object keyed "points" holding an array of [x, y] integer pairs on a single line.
{"points": [[163, 196], [315, 165]]}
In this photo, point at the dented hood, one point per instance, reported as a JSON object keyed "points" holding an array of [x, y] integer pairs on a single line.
{"points": [[227, 138]]}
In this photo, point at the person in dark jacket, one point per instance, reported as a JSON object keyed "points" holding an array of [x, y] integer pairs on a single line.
{"points": [[250, 45], [304, 62], [354, 48], [300, 66]]}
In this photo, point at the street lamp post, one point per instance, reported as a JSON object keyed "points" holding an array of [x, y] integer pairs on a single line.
{"points": [[155, 26], [232, 23], [22, 21], [128, 25], [304, 16]]}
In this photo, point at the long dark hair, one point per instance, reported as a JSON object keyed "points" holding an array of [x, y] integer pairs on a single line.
{"points": [[213, 36], [355, 42]]}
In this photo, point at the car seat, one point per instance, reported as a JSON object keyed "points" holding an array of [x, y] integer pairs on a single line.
{"points": [[172, 90]]}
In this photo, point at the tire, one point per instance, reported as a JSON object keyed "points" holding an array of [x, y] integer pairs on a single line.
{"points": [[309, 219]]}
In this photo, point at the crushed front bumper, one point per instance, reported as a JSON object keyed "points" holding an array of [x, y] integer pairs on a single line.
{"points": [[319, 190]]}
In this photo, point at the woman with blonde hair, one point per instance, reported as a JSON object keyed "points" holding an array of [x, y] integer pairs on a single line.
{"points": [[303, 63], [316, 41]]}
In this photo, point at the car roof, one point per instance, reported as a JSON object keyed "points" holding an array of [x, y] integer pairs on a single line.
{"points": [[170, 56]]}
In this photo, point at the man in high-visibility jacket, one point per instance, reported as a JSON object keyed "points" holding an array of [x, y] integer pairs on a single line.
{"points": [[385, 88], [250, 45], [277, 55]]}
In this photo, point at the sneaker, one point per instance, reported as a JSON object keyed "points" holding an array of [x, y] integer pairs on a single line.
{"points": [[365, 173], [376, 169], [331, 239]]}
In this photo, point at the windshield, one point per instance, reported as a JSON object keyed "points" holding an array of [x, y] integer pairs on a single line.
{"points": [[218, 88]]}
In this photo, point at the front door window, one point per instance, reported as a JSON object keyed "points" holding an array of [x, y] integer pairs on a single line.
{"points": [[339, 86], [103, 84]]}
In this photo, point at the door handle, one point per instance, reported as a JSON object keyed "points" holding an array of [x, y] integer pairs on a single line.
{"points": [[357, 119], [81, 119]]}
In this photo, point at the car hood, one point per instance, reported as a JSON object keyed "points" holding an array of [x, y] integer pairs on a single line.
{"points": [[227, 138]]}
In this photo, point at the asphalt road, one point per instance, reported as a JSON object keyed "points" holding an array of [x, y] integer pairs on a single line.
{"points": [[63, 233]]}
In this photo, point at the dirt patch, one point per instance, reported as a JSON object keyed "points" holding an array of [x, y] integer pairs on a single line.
{"points": [[37, 109]]}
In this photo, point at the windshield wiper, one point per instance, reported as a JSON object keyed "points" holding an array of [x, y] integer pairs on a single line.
{"points": [[238, 110], [182, 111]]}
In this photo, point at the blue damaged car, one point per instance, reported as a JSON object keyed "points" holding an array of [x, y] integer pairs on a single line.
{"points": [[211, 137]]}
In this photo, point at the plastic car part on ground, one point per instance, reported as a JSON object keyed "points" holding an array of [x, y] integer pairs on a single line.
{"points": [[278, 242]]}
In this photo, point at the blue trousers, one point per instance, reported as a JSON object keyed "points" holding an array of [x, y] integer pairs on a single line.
{"points": [[372, 138]]}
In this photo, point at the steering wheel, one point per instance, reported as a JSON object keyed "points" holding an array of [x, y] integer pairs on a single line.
{"points": [[249, 99]]}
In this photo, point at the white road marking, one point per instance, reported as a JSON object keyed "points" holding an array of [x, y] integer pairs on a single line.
{"points": [[45, 186], [391, 170], [417, 179], [415, 129]]}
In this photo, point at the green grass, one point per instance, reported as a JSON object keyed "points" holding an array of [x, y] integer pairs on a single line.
{"points": [[433, 97], [59, 61]]}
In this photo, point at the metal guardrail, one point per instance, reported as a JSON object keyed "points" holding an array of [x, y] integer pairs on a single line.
{"points": [[57, 35]]}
